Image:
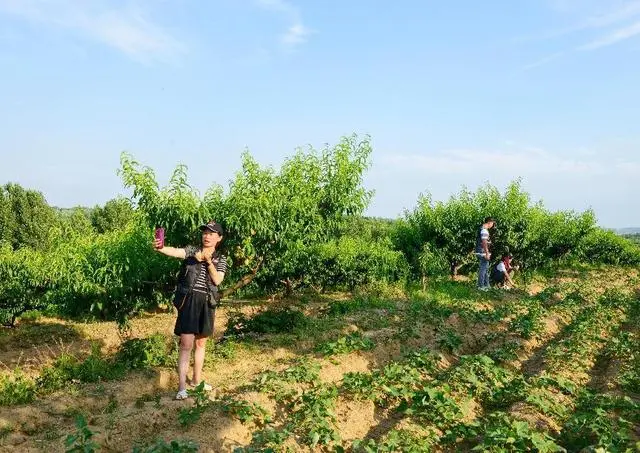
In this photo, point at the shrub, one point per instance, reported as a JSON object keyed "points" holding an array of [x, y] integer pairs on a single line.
{"points": [[273, 320]]}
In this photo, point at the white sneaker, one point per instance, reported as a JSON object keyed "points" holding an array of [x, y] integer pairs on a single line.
{"points": [[182, 395]]}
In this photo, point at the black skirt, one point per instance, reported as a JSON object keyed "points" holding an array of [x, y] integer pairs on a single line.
{"points": [[195, 316]]}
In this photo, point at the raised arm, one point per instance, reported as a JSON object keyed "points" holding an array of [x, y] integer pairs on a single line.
{"points": [[170, 251]]}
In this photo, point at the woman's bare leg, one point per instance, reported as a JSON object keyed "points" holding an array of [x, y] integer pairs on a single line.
{"points": [[199, 359], [184, 356]]}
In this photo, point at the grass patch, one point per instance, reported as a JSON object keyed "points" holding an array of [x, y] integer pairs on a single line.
{"points": [[16, 388]]}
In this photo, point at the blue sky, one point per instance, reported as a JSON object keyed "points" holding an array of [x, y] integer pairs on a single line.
{"points": [[452, 93]]}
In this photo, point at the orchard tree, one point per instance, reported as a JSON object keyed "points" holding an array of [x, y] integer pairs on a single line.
{"points": [[25, 217], [114, 215], [272, 218], [535, 236]]}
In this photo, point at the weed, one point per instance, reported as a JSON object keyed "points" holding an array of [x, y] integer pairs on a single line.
{"points": [[313, 415], [398, 440], [144, 352], [448, 339], [344, 345], [190, 415], [16, 388], [81, 441], [243, 410]]}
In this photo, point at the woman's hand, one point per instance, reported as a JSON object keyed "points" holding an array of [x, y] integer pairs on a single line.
{"points": [[169, 251], [202, 256]]}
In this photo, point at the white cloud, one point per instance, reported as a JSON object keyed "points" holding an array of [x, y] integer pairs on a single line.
{"points": [[524, 161], [582, 179], [614, 37], [617, 18], [126, 28], [297, 33]]}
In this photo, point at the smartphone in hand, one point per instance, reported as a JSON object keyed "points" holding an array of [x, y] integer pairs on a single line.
{"points": [[160, 237]]}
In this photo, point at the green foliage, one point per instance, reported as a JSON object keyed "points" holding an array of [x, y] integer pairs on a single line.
{"points": [[601, 246], [534, 235], [175, 446], [314, 417], [344, 345], [114, 215], [81, 441], [16, 388], [448, 339], [602, 421], [268, 439], [358, 303], [144, 352], [25, 282], [396, 441], [25, 218], [111, 275], [529, 323], [189, 416], [244, 411], [67, 369], [273, 220], [74, 222], [270, 321], [350, 262], [432, 262], [435, 404], [504, 434]]}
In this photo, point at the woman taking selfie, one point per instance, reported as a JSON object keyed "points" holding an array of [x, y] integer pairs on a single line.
{"points": [[196, 295]]}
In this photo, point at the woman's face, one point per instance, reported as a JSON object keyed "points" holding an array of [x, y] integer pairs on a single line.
{"points": [[210, 239]]}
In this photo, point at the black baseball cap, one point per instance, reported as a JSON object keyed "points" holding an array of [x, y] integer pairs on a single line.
{"points": [[212, 226]]}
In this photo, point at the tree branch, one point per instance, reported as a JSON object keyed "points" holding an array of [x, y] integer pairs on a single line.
{"points": [[244, 281]]}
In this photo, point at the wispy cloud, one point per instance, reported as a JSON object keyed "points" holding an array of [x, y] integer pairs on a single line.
{"points": [[297, 33], [614, 37], [616, 20], [126, 28], [525, 161], [542, 61]]}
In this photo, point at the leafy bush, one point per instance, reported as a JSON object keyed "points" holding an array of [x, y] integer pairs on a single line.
{"points": [[270, 321], [144, 352], [350, 262], [606, 247], [535, 236]]}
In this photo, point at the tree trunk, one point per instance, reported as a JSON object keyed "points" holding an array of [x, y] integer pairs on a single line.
{"points": [[453, 268], [288, 287]]}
